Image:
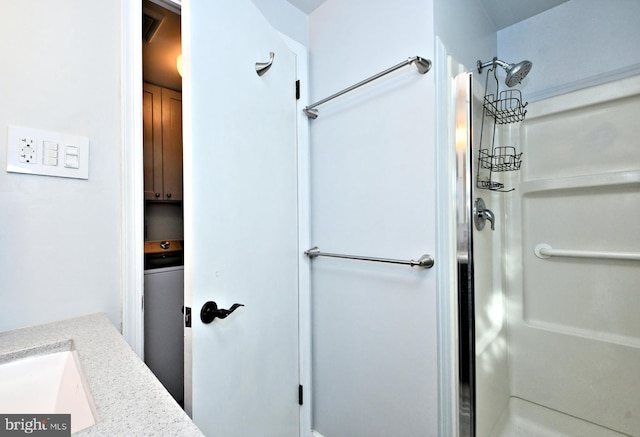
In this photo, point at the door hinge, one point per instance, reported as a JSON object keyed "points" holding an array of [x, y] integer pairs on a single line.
{"points": [[300, 395], [187, 317], [297, 89]]}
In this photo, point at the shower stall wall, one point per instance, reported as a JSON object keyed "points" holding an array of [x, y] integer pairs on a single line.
{"points": [[557, 338]]}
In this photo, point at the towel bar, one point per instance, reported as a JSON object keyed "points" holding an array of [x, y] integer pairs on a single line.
{"points": [[425, 261]]}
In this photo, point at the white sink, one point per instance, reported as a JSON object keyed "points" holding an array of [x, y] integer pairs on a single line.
{"points": [[46, 380]]}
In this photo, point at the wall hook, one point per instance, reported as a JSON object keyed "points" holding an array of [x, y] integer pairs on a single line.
{"points": [[263, 67]]}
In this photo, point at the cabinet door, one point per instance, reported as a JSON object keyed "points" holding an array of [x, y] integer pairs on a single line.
{"points": [[152, 141], [172, 144]]}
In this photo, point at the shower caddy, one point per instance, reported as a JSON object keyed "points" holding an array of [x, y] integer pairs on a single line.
{"points": [[506, 109]]}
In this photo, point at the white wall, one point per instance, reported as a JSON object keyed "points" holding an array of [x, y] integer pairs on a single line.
{"points": [[579, 43], [373, 193], [60, 237], [466, 31], [286, 18]]}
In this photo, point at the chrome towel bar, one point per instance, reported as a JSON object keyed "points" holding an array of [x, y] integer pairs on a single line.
{"points": [[544, 251], [425, 261], [423, 65]]}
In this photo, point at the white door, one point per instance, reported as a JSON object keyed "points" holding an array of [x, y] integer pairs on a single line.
{"points": [[241, 229]]}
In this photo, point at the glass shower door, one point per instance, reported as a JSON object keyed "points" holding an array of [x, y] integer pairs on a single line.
{"points": [[482, 346]]}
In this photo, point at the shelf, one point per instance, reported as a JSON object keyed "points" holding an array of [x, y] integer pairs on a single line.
{"points": [[490, 185], [502, 159], [507, 109]]}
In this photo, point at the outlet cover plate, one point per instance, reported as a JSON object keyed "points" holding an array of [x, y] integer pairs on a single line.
{"points": [[70, 159]]}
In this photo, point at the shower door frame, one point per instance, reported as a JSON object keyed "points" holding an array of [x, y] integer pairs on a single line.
{"points": [[464, 254], [456, 397]]}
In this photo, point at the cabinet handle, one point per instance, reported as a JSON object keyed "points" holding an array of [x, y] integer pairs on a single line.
{"points": [[157, 195], [168, 195]]}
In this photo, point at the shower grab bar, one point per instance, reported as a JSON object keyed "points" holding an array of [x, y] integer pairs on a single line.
{"points": [[544, 251], [425, 261], [423, 65]]}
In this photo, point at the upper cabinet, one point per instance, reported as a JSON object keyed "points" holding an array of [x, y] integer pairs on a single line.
{"points": [[162, 139]]}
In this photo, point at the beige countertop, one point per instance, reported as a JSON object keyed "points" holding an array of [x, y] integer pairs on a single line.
{"points": [[129, 399]]}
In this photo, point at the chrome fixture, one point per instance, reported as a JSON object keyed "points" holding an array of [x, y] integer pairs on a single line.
{"points": [[263, 67], [425, 261], [423, 65], [515, 72], [481, 214], [544, 251]]}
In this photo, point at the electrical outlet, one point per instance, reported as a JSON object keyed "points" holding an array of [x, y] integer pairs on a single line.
{"points": [[27, 150]]}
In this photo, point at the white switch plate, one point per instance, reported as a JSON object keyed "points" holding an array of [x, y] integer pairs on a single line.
{"points": [[26, 153]]}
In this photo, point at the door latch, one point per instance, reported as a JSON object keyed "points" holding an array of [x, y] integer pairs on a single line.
{"points": [[187, 316]]}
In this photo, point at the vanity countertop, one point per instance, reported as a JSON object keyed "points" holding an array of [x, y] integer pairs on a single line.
{"points": [[129, 399]]}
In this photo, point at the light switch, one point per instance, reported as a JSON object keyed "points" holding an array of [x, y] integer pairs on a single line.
{"points": [[71, 157], [50, 153], [48, 160], [51, 148]]}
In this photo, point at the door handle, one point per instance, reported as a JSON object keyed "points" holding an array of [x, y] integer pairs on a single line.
{"points": [[210, 311]]}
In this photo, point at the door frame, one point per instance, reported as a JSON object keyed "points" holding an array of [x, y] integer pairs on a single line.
{"points": [[132, 207]]}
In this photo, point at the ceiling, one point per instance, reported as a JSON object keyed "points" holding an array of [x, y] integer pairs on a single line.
{"points": [[504, 13]]}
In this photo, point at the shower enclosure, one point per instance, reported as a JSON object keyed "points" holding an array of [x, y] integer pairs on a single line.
{"points": [[549, 300]]}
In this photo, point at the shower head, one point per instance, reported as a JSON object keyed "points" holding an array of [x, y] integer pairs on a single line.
{"points": [[515, 72]]}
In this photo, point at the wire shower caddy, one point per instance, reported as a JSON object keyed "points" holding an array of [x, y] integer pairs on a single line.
{"points": [[506, 109]]}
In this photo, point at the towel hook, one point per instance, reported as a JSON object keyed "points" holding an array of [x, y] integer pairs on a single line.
{"points": [[263, 67]]}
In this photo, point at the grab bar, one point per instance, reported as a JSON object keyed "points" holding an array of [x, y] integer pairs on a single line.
{"points": [[544, 251], [422, 64], [425, 261]]}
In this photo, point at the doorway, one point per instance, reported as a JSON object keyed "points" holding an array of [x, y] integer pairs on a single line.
{"points": [[133, 204], [163, 208]]}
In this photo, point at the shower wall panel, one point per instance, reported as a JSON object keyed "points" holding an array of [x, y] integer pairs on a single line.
{"points": [[574, 330]]}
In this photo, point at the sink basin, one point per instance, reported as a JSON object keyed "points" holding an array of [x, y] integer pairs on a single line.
{"points": [[46, 380]]}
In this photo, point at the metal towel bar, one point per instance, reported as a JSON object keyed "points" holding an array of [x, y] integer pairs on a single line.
{"points": [[422, 64], [425, 261], [543, 251]]}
